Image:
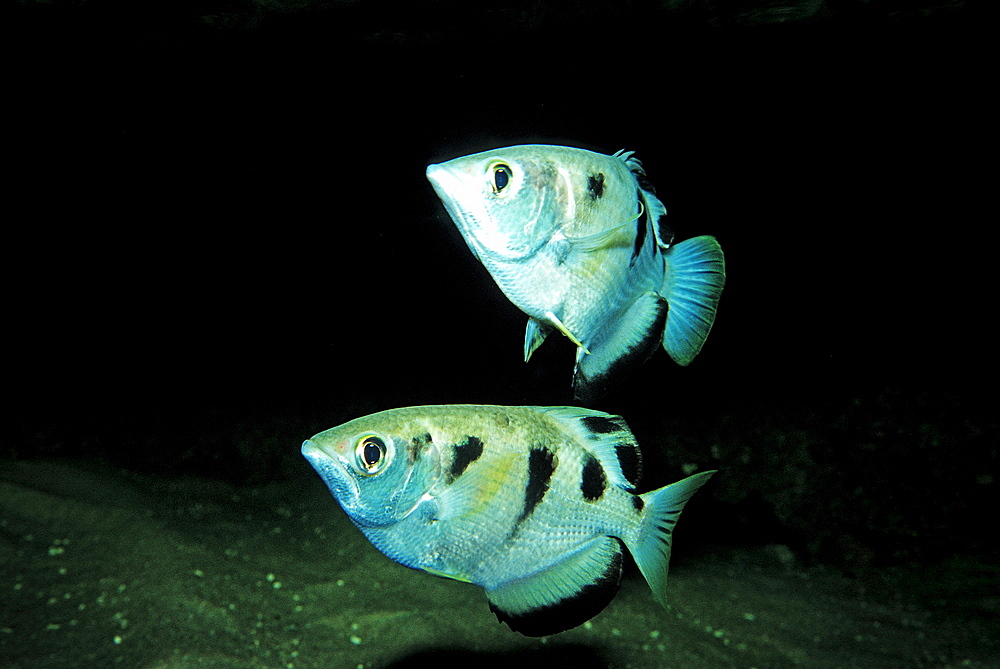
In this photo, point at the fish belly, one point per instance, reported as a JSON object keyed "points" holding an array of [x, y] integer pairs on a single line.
{"points": [[582, 292]]}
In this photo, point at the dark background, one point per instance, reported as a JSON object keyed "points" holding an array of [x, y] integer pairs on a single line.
{"points": [[219, 240]]}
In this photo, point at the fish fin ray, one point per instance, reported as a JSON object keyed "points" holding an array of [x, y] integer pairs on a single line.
{"points": [[625, 156], [661, 509], [655, 210], [563, 595], [657, 214], [558, 324], [694, 276]]}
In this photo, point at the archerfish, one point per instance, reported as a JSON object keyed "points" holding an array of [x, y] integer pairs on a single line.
{"points": [[533, 504], [578, 241]]}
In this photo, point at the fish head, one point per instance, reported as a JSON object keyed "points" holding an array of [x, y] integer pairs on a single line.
{"points": [[378, 475], [507, 203]]}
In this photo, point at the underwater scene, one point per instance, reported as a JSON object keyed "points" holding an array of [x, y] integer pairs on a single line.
{"points": [[383, 334]]}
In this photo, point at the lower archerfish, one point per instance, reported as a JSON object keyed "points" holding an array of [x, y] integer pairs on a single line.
{"points": [[532, 504]]}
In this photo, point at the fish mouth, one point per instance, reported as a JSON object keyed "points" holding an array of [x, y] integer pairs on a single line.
{"points": [[332, 470], [451, 190], [313, 452], [466, 207]]}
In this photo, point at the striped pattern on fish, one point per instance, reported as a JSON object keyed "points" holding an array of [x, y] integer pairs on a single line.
{"points": [[533, 504]]}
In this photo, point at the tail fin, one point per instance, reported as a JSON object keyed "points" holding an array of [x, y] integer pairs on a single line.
{"points": [[661, 510], [693, 281]]}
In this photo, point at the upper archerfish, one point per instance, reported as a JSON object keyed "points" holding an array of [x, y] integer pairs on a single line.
{"points": [[578, 241]]}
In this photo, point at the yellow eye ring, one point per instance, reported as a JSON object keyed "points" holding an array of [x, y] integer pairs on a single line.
{"points": [[500, 176], [370, 454]]}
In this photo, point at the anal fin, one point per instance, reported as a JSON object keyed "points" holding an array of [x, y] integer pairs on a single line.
{"points": [[564, 595], [626, 340]]}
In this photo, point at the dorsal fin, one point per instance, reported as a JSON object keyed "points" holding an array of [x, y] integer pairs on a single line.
{"points": [[655, 211], [657, 219], [607, 437]]}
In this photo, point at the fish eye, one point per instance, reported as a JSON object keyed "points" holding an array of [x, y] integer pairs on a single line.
{"points": [[370, 454], [500, 177]]}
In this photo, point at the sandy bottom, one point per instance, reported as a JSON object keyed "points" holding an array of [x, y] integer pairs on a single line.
{"points": [[104, 568]]}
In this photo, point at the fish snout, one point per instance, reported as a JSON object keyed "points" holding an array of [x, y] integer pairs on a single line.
{"points": [[311, 450], [325, 450], [332, 468]]}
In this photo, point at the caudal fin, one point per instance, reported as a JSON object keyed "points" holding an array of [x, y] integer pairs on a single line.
{"points": [[661, 509], [693, 281]]}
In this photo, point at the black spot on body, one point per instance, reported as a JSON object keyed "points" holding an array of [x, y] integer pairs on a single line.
{"points": [[541, 464], [638, 503], [595, 185], [465, 454], [630, 458], [593, 481], [417, 444]]}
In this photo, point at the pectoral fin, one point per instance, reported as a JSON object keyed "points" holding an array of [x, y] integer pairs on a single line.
{"points": [[477, 486], [599, 240]]}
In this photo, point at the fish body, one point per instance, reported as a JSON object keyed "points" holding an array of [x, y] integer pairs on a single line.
{"points": [[578, 241], [533, 504]]}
